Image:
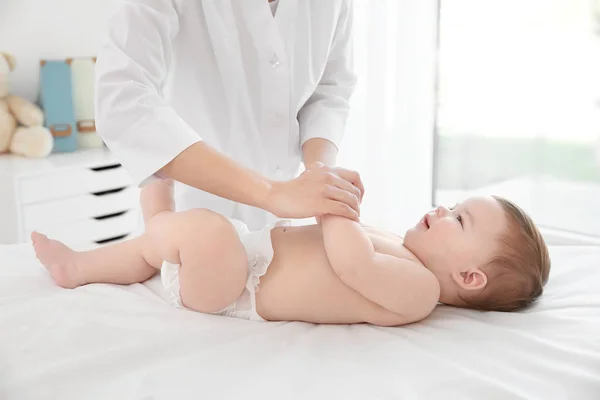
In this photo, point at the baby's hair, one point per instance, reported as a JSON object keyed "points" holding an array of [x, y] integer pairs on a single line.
{"points": [[519, 270]]}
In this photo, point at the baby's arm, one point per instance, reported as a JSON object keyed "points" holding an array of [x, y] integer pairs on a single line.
{"points": [[401, 286]]}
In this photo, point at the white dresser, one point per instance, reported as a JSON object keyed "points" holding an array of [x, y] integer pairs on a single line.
{"points": [[85, 199]]}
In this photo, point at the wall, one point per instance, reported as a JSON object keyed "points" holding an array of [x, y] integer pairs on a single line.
{"points": [[35, 29]]}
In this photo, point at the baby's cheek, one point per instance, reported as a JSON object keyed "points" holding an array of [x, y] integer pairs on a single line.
{"points": [[448, 228], [451, 240]]}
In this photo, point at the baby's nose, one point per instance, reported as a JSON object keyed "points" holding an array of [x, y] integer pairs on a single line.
{"points": [[442, 211]]}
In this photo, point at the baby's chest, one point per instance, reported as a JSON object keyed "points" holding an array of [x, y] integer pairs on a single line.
{"points": [[385, 244]]}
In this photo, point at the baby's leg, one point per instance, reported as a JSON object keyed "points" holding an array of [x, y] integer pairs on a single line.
{"points": [[127, 262], [213, 263], [131, 261]]}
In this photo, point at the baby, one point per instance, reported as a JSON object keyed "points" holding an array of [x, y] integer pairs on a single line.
{"points": [[484, 253]]}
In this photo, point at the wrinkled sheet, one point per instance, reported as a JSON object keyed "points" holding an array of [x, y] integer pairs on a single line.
{"points": [[126, 342]]}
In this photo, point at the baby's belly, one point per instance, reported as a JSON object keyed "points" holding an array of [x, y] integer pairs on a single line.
{"points": [[301, 286]]}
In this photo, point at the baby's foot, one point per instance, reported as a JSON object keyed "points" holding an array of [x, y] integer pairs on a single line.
{"points": [[58, 259]]}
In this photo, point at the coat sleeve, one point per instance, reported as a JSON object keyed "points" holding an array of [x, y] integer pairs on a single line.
{"points": [[325, 113], [132, 116]]}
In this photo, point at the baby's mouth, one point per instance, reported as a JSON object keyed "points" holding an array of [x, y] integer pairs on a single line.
{"points": [[425, 221]]}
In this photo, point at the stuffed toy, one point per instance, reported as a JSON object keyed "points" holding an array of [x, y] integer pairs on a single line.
{"points": [[21, 122]]}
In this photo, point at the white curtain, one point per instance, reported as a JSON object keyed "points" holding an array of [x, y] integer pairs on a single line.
{"points": [[519, 109], [389, 138]]}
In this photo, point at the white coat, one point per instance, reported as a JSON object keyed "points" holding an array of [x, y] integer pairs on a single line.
{"points": [[252, 85]]}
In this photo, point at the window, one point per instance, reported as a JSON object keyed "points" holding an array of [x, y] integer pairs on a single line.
{"points": [[518, 107]]}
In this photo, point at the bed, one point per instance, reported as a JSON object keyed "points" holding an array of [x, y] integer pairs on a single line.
{"points": [[126, 342]]}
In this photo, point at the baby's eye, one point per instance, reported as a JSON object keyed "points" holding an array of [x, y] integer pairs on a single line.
{"points": [[459, 219]]}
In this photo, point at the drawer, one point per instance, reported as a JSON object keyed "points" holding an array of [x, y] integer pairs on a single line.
{"points": [[73, 182], [91, 230], [86, 246], [39, 216]]}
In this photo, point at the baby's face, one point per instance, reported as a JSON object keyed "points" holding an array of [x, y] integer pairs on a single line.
{"points": [[449, 240]]}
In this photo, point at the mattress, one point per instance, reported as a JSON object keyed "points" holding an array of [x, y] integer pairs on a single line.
{"points": [[126, 342]]}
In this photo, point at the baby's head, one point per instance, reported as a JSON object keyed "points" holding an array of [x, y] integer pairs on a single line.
{"points": [[486, 253]]}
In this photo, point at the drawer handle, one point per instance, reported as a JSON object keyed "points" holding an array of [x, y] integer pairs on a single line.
{"points": [[107, 216], [106, 167], [86, 126], [60, 130], [112, 239], [110, 191]]}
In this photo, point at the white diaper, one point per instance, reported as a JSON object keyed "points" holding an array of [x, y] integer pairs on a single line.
{"points": [[260, 253]]}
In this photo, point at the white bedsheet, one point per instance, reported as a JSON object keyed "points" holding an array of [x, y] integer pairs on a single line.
{"points": [[126, 342]]}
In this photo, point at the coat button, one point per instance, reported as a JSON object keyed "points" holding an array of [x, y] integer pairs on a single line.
{"points": [[275, 61]]}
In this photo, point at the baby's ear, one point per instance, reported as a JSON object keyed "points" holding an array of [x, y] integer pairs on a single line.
{"points": [[10, 59], [470, 279]]}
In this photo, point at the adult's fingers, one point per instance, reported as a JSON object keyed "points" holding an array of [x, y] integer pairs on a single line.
{"points": [[358, 183], [344, 184], [353, 177], [345, 197], [342, 209]]}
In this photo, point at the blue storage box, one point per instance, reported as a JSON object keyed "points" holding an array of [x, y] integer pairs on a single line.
{"points": [[56, 99]]}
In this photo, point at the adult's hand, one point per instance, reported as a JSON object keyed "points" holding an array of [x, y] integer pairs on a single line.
{"points": [[351, 176], [318, 191]]}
